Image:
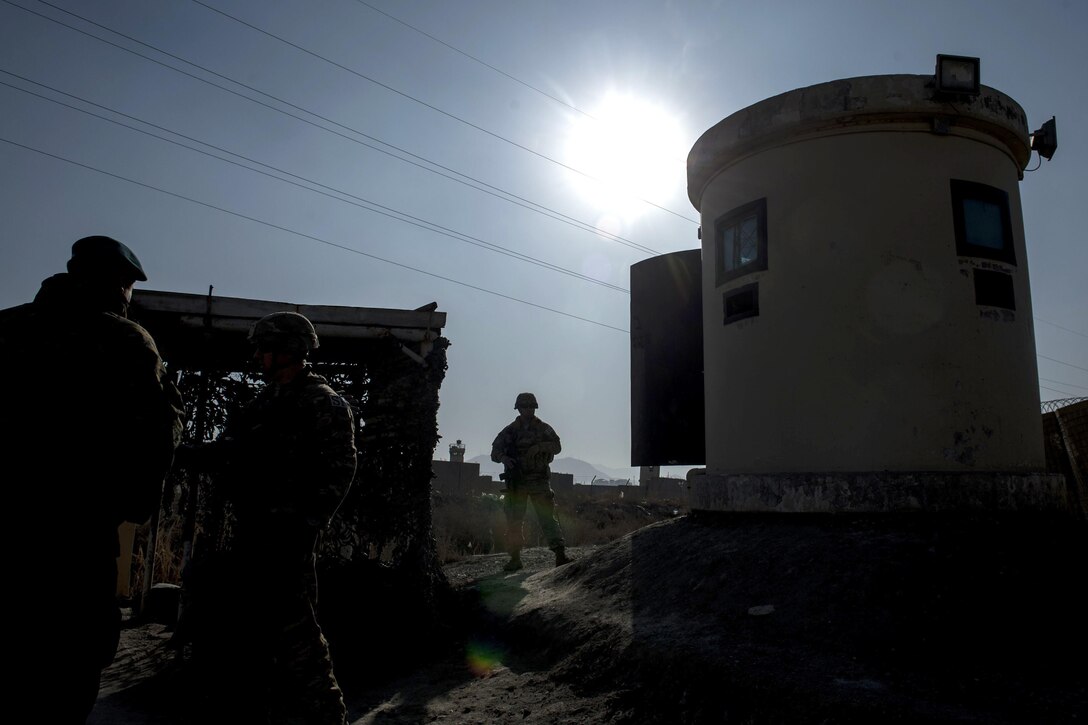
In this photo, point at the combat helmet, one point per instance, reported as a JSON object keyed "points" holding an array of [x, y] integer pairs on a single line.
{"points": [[284, 331], [525, 400], [105, 256]]}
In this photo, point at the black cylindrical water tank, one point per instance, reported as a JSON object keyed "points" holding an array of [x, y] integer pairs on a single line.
{"points": [[667, 425]]}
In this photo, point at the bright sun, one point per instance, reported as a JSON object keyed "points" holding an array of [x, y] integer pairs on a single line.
{"points": [[629, 150]]}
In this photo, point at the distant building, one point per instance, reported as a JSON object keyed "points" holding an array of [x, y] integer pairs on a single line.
{"points": [[457, 451]]}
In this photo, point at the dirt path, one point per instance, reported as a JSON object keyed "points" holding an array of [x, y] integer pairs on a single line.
{"points": [[482, 683], [443, 692]]}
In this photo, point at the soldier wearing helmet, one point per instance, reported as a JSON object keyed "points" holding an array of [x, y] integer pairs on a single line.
{"points": [[90, 418], [287, 460], [282, 341], [285, 331], [526, 447]]}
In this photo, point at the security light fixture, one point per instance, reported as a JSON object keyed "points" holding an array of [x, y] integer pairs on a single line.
{"points": [[957, 75], [1045, 139]]}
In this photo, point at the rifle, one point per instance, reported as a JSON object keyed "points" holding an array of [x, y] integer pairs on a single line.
{"points": [[512, 475]]}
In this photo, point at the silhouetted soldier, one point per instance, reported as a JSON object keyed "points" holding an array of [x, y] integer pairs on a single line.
{"points": [[525, 448], [287, 460], [90, 420]]}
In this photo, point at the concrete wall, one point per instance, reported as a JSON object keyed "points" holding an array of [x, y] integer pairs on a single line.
{"points": [[455, 476], [605, 493], [459, 477], [562, 483], [869, 352], [452, 477], [664, 489]]}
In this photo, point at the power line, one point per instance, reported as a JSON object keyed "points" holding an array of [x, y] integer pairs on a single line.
{"points": [[481, 62], [483, 186], [365, 203], [1062, 382], [477, 60], [1059, 392], [311, 237], [436, 109], [1062, 362], [1055, 324]]}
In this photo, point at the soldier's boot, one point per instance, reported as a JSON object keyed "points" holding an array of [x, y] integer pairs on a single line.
{"points": [[561, 557], [515, 561]]}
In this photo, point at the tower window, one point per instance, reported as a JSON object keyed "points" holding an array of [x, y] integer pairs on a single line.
{"points": [[741, 303], [994, 289], [983, 225], [741, 241]]}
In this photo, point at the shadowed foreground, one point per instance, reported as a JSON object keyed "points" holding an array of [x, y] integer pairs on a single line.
{"points": [[747, 619]]}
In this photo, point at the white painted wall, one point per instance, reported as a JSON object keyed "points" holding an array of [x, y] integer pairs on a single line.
{"points": [[869, 352]]}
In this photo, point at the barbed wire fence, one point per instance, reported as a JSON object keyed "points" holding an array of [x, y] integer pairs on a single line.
{"points": [[1049, 406]]}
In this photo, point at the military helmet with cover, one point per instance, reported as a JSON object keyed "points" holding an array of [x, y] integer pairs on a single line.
{"points": [[284, 332], [105, 257], [525, 400]]}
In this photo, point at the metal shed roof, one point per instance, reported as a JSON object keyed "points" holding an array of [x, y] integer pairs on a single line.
{"points": [[201, 331]]}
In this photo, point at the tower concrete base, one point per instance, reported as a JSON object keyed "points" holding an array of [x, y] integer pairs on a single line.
{"points": [[884, 491]]}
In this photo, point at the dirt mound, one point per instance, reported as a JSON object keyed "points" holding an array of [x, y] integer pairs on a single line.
{"points": [[814, 619]]}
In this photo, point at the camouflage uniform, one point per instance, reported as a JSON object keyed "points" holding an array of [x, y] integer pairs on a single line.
{"points": [[289, 461], [532, 445], [90, 419]]}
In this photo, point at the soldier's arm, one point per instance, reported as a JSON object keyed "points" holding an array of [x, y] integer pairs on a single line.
{"points": [[550, 441], [499, 447], [154, 419], [331, 467]]}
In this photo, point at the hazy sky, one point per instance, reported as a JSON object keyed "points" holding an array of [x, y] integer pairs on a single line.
{"points": [[464, 151]]}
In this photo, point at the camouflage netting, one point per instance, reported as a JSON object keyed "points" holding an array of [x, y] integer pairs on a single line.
{"points": [[377, 561]]}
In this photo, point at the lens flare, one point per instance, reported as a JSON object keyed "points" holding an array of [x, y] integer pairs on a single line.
{"points": [[482, 658]]}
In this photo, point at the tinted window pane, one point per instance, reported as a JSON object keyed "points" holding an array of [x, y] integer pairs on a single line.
{"points": [[983, 224], [748, 231], [729, 248], [982, 221], [741, 241]]}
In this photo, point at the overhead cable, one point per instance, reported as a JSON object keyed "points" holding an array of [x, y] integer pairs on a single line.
{"points": [[311, 237], [477, 60], [476, 184], [434, 108], [361, 202]]}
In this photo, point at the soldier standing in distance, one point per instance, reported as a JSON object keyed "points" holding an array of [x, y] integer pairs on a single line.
{"points": [[525, 448], [288, 460], [91, 419]]}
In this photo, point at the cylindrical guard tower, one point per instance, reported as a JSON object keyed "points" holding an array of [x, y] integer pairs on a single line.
{"points": [[865, 287]]}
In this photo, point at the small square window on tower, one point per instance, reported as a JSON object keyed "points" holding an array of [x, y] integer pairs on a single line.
{"points": [[740, 239], [994, 289], [740, 303]]}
